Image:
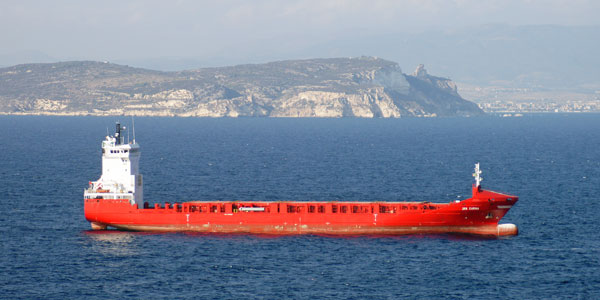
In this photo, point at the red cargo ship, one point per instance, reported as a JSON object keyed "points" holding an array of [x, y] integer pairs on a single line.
{"points": [[116, 200]]}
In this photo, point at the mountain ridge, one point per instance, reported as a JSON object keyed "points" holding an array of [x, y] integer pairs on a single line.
{"points": [[322, 87]]}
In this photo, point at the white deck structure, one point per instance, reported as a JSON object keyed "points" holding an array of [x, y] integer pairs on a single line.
{"points": [[120, 171]]}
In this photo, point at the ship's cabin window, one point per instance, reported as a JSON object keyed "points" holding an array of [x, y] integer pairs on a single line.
{"points": [[117, 151], [311, 209], [334, 209], [343, 209], [404, 207], [413, 207], [321, 209]]}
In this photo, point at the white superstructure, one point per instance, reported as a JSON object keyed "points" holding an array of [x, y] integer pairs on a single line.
{"points": [[120, 171]]}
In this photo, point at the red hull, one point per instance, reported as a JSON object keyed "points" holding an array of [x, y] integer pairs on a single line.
{"points": [[477, 215]]}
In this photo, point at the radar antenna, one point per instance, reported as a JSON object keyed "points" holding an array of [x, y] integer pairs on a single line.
{"points": [[477, 175]]}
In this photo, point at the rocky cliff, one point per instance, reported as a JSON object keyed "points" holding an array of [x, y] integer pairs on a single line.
{"points": [[337, 87]]}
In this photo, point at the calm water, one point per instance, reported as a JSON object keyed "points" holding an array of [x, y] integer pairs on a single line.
{"points": [[551, 161]]}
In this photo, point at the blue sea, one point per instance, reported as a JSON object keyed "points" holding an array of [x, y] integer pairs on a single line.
{"points": [[552, 162]]}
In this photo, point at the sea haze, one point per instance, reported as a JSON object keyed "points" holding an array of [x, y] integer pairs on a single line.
{"points": [[551, 162]]}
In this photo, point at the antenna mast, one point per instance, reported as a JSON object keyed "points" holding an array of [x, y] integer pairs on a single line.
{"points": [[133, 125], [477, 175]]}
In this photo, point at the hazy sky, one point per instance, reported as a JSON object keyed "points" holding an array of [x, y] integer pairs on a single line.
{"points": [[249, 30]]}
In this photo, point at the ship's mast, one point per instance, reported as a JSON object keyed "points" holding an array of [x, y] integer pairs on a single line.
{"points": [[477, 176], [133, 124]]}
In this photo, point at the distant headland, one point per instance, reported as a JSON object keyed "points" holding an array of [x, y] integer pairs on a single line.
{"points": [[364, 87]]}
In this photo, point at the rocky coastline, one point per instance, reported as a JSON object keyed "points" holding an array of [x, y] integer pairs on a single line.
{"points": [[364, 87]]}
